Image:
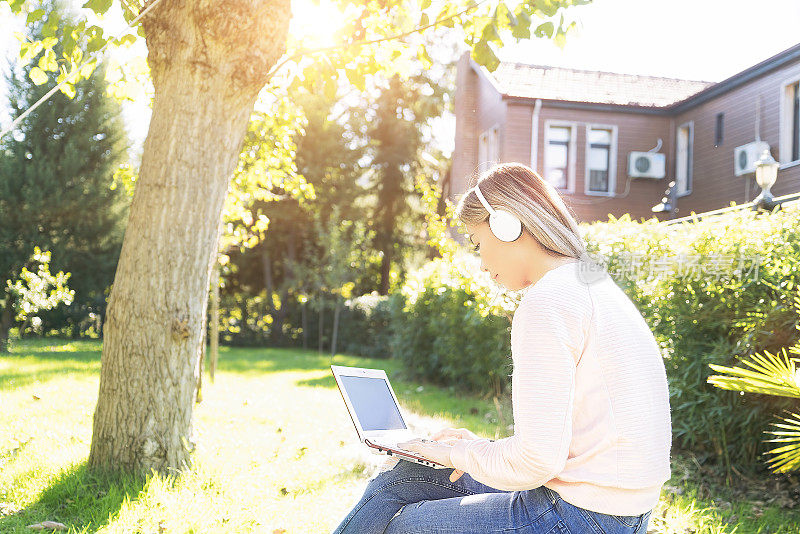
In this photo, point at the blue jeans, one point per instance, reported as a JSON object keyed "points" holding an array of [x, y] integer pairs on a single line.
{"points": [[428, 502]]}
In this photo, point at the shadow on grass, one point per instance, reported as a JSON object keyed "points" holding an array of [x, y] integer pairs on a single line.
{"points": [[82, 500]]}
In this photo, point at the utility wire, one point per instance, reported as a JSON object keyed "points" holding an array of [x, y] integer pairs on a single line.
{"points": [[52, 91]]}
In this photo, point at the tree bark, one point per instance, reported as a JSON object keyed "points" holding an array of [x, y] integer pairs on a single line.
{"points": [[386, 269], [5, 324], [214, 334], [208, 61], [321, 321], [279, 317], [305, 324], [336, 312], [266, 264]]}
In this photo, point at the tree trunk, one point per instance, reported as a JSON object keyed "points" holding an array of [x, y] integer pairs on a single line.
{"points": [[280, 314], [321, 321], [208, 61], [386, 268], [198, 396], [336, 312], [266, 264], [214, 334], [305, 324], [5, 324]]}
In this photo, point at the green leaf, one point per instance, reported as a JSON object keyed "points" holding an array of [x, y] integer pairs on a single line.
{"points": [[27, 51], [35, 15], [68, 89], [38, 76], [48, 61], [545, 29], [88, 69], [422, 55], [505, 18], [98, 6], [16, 6], [356, 77], [424, 20], [50, 26], [522, 29], [490, 34], [125, 39], [483, 54]]}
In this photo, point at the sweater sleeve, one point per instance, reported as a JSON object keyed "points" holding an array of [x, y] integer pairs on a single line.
{"points": [[547, 337]]}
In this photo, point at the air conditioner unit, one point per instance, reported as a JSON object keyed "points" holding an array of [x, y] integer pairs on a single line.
{"points": [[745, 157], [646, 165]]}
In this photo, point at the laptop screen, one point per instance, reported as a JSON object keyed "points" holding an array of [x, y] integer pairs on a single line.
{"points": [[373, 403]]}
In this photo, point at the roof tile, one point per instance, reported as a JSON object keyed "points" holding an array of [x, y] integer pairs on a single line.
{"points": [[555, 83]]}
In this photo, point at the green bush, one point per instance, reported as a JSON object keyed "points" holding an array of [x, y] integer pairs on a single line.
{"points": [[365, 325], [701, 317], [447, 333]]}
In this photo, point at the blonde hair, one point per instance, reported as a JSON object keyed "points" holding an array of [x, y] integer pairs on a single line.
{"points": [[517, 188]]}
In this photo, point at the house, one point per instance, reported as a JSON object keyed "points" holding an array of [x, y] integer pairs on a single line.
{"points": [[611, 143]]}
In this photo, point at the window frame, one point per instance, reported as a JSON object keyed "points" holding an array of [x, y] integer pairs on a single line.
{"points": [[787, 114], [571, 152], [612, 161], [690, 158], [487, 134]]}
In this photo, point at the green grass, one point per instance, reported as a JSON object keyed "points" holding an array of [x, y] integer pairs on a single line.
{"points": [[276, 451]]}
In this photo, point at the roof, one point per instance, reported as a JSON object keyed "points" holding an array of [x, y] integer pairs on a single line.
{"points": [[554, 83]]}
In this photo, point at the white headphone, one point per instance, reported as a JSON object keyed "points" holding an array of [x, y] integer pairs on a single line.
{"points": [[504, 225]]}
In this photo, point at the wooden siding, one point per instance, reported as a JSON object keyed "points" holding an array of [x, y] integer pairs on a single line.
{"points": [[479, 105], [714, 183]]}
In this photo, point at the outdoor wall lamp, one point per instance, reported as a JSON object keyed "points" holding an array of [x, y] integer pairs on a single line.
{"points": [[668, 201], [766, 175]]}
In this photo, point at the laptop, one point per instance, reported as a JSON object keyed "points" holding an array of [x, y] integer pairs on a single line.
{"points": [[374, 410]]}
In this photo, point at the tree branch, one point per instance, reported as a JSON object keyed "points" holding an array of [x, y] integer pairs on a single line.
{"points": [[369, 41]]}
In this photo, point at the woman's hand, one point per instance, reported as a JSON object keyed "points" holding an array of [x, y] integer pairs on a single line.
{"points": [[435, 451], [457, 433], [440, 452]]}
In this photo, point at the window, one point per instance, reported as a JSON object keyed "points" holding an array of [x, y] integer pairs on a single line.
{"points": [[600, 159], [718, 129], [488, 149], [790, 122], [559, 155], [683, 159]]}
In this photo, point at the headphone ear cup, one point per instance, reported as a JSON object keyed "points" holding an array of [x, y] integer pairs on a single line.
{"points": [[505, 226]]}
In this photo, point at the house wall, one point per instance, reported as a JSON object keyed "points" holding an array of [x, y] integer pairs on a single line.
{"points": [[714, 183], [480, 105], [634, 132]]}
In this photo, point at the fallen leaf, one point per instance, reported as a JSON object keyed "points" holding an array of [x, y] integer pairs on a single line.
{"points": [[36, 397], [48, 525], [279, 531]]}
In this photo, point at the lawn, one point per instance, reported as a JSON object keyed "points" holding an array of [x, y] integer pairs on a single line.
{"points": [[276, 452]]}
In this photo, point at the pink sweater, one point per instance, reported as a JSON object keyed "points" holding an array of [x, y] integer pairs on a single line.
{"points": [[590, 400]]}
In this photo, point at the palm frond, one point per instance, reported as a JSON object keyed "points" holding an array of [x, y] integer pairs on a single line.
{"points": [[786, 457], [771, 374]]}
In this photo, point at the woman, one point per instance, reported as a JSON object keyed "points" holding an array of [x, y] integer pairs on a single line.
{"points": [[592, 430]]}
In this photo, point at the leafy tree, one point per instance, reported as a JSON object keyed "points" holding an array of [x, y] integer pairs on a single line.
{"points": [[55, 190], [208, 61], [401, 111]]}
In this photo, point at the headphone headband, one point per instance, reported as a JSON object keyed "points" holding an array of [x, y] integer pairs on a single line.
{"points": [[483, 200]]}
